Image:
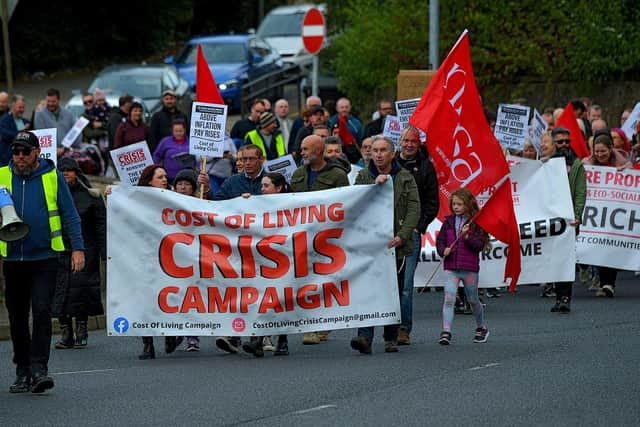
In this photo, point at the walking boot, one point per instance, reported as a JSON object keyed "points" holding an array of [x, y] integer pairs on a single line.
{"points": [[81, 334], [22, 384], [282, 348], [556, 307], [66, 331], [254, 346], [565, 305], [148, 351]]}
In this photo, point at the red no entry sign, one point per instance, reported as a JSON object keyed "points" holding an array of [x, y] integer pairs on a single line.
{"points": [[313, 31]]}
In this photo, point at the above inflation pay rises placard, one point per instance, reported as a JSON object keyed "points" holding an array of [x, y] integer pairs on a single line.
{"points": [[206, 136]]}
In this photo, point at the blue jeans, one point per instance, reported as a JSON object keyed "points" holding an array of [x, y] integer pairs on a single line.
{"points": [[406, 295]]}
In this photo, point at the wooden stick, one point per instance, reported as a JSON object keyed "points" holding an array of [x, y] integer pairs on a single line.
{"points": [[203, 169], [435, 270]]}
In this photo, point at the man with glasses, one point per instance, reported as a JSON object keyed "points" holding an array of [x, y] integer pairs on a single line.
{"points": [[417, 162], [10, 125], [249, 181], [42, 200], [578, 188], [242, 127]]}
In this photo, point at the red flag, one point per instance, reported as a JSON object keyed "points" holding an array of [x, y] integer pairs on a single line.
{"points": [[464, 150], [343, 131], [206, 87], [498, 216], [568, 120]]}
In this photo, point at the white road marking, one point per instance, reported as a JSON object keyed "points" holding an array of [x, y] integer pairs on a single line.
{"points": [[317, 408], [82, 372], [488, 365]]}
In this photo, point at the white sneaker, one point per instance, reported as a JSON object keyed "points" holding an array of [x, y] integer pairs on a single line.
{"points": [[267, 344]]}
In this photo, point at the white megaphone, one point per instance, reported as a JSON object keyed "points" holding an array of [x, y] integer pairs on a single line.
{"points": [[12, 227]]}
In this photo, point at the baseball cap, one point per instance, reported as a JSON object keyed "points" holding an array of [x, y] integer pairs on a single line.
{"points": [[168, 92], [26, 139]]}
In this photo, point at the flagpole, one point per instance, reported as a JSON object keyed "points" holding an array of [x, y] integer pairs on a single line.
{"points": [[435, 270], [203, 169]]}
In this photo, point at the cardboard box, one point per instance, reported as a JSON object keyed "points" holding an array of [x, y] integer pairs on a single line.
{"points": [[412, 83]]}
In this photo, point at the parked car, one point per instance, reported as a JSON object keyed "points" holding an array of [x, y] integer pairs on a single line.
{"points": [[233, 60], [282, 29], [74, 104], [146, 82]]}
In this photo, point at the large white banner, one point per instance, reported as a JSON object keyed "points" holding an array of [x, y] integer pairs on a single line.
{"points": [[610, 231], [543, 207], [281, 263]]}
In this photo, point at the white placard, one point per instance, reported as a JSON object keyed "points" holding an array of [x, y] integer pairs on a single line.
{"points": [[130, 161], [610, 231], [392, 129], [285, 165], [512, 124], [405, 109], [538, 127], [630, 127], [353, 174], [75, 132], [48, 145], [270, 264], [543, 209], [206, 136]]}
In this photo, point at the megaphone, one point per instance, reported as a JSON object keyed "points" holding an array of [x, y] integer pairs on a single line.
{"points": [[12, 227]]}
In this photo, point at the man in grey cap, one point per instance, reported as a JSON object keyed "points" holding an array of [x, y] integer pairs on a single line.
{"points": [[30, 263], [267, 136], [160, 125]]}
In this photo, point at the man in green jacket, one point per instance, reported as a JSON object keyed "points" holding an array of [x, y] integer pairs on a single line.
{"points": [[406, 212], [317, 173]]}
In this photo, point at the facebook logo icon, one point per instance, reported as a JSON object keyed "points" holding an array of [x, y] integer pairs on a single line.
{"points": [[120, 325]]}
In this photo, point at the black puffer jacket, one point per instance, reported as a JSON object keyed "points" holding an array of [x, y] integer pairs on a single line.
{"points": [[79, 293]]}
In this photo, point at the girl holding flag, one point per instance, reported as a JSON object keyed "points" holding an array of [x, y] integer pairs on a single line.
{"points": [[459, 243]]}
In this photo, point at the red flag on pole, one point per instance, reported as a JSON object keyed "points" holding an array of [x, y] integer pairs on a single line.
{"points": [[464, 150], [568, 120], [206, 87], [501, 222], [343, 131]]}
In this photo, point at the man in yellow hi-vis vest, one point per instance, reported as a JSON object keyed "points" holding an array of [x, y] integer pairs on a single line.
{"points": [[268, 137], [43, 201]]}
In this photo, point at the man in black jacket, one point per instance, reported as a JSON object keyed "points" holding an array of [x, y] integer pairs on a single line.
{"points": [[119, 115], [161, 120], [417, 162], [376, 126]]}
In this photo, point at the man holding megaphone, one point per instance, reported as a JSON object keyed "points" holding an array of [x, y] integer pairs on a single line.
{"points": [[41, 200]]}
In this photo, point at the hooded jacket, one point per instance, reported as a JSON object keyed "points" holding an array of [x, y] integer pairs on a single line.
{"points": [[406, 203], [30, 205], [464, 254]]}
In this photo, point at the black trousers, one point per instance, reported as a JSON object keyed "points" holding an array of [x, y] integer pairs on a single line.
{"points": [[608, 276], [30, 284], [563, 289]]}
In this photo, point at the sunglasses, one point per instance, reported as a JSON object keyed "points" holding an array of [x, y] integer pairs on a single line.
{"points": [[562, 141], [25, 151], [88, 102]]}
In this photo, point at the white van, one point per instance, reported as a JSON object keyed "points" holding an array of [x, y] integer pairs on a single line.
{"points": [[282, 29]]}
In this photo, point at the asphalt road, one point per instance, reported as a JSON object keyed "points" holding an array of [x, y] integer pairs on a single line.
{"points": [[537, 369]]}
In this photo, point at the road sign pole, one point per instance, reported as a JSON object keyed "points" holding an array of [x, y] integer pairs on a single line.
{"points": [[314, 76], [7, 52]]}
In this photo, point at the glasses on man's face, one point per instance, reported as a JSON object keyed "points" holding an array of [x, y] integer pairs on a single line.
{"points": [[562, 141], [250, 159], [25, 151], [88, 102]]}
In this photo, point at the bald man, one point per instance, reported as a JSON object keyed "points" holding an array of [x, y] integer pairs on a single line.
{"points": [[4, 103], [317, 173]]}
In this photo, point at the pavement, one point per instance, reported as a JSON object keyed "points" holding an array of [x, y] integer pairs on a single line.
{"points": [[537, 369]]}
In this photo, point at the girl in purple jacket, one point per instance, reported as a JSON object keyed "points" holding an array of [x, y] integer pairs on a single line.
{"points": [[460, 242]]}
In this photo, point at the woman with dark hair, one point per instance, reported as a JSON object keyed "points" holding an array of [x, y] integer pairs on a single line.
{"points": [[78, 294], [132, 130], [155, 176], [272, 183]]}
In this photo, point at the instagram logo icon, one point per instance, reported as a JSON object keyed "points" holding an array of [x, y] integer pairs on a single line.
{"points": [[238, 324]]}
